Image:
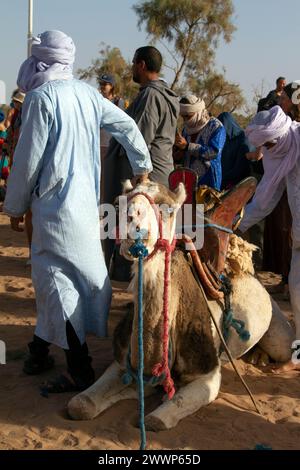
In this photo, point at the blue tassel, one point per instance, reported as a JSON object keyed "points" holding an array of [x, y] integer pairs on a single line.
{"points": [[127, 379], [262, 447], [138, 249], [239, 327]]}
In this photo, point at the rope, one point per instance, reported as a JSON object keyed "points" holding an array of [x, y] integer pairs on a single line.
{"points": [[218, 227], [138, 250], [224, 343], [167, 247], [228, 318], [163, 366]]}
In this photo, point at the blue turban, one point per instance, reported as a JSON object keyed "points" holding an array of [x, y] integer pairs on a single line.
{"points": [[53, 55]]}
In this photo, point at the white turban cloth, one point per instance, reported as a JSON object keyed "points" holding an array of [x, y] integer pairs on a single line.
{"points": [[276, 127], [268, 126], [53, 55], [201, 117]]}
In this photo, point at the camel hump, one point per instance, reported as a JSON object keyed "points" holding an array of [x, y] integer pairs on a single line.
{"points": [[232, 202]]}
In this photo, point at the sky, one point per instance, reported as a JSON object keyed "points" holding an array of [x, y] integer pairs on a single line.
{"points": [[263, 47]]}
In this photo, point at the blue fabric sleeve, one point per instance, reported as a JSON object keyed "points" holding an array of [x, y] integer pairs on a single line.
{"points": [[211, 150], [124, 129], [215, 144]]}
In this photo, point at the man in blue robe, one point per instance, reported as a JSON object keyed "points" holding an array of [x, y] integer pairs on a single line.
{"points": [[56, 173]]}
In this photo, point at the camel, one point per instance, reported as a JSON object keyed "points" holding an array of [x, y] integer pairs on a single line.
{"points": [[194, 360]]}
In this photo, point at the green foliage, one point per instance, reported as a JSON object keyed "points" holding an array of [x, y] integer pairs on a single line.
{"points": [[219, 94], [191, 28], [111, 61]]}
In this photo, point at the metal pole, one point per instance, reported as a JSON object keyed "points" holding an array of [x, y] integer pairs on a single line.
{"points": [[29, 35]]}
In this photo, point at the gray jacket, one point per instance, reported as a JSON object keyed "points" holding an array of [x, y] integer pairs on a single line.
{"points": [[155, 110]]}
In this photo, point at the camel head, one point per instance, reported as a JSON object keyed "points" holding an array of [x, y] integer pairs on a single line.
{"points": [[143, 217]]}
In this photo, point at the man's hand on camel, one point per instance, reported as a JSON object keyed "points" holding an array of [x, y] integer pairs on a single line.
{"points": [[15, 223], [139, 179]]}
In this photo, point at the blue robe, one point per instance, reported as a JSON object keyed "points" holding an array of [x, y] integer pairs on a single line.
{"points": [[56, 172], [204, 156], [235, 166]]}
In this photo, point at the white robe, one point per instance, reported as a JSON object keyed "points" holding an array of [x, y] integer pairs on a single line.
{"points": [[254, 213], [56, 172]]}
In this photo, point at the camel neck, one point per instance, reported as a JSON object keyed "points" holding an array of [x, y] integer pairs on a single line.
{"points": [[153, 289]]}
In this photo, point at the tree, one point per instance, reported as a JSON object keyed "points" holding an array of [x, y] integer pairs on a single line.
{"points": [[111, 61], [250, 108], [219, 94], [191, 28]]}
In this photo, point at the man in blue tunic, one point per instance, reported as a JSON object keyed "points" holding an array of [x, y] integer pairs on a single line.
{"points": [[56, 172]]}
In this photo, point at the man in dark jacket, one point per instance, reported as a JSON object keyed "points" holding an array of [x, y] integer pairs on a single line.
{"points": [[155, 111], [273, 98]]}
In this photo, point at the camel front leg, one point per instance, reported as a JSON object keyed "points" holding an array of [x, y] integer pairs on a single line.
{"points": [[106, 391], [189, 399]]}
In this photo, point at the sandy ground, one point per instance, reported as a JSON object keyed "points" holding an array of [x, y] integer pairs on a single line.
{"points": [[29, 421]]}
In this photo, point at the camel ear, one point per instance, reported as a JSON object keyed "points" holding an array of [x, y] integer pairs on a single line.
{"points": [[126, 186], [180, 194]]}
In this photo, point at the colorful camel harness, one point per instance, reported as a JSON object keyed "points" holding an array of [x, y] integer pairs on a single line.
{"points": [[217, 289]]}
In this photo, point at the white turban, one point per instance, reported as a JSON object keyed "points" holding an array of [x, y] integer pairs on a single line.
{"points": [[268, 126], [279, 160], [53, 55], [200, 119]]}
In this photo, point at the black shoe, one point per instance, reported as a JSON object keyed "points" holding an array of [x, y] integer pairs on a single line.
{"points": [[32, 366], [65, 384]]}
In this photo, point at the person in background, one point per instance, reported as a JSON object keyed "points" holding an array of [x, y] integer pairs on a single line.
{"points": [[107, 90], [280, 138], [260, 234], [2, 118], [201, 142], [56, 172], [273, 98], [14, 120], [107, 85], [289, 100], [235, 165], [155, 111], [277, 251], [13, 123], [3, 156]]}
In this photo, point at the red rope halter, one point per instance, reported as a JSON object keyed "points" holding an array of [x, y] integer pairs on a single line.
{"points": [[162, 245]]}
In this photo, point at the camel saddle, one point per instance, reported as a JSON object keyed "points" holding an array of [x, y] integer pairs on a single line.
{"points": [[220, 211]]}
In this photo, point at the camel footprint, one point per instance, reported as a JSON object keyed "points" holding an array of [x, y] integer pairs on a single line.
{"points": [[13, 289], [71, 441]]}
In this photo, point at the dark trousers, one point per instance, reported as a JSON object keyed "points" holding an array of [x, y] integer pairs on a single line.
{"points": [[78, 359], [118, 267]]}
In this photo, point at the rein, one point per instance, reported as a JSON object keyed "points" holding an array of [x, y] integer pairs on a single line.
{"points": [[162, 368]]}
